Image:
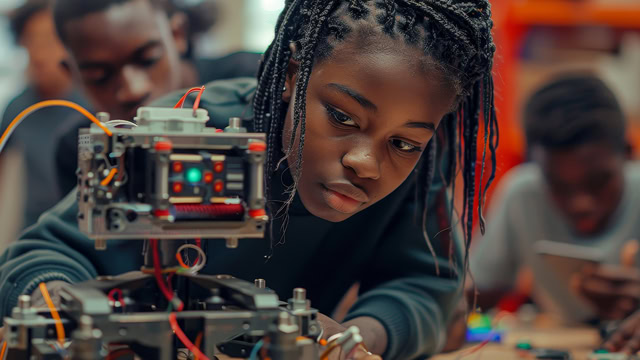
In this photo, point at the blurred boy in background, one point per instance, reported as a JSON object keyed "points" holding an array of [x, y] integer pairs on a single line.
{"points": [[33, 28], [125, 54], [580, 189]]}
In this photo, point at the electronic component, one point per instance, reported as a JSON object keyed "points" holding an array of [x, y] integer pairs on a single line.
{"points": [[169, 177]]}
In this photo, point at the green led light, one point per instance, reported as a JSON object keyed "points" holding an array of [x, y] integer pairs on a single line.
{"points": [[194, 175]]}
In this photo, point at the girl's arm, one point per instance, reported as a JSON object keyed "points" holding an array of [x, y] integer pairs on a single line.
{"points": [[401, 287]]}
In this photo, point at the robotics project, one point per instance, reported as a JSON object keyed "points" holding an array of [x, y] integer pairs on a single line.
{"points": [[168, 180]]}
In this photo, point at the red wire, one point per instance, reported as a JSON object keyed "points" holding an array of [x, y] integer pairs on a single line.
{"points": [[119, 353], [158, 274], [184, 97], [169, 277], [198, 244], [120, 296], [113, 292], [474, 349], [196, 104], [185, 340]]}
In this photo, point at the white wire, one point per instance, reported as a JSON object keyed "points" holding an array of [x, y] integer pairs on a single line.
{"points": [[116, 123], [202, 258]]}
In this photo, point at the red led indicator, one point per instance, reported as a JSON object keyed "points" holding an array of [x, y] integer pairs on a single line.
{"points": [[163, 146], [177, 187], [218, 167], [178, 167], [257, 213], [257, 146], [218, 186], [208, 177]]}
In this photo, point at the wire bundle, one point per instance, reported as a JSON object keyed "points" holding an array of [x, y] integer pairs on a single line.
{"points": [[201, 260], [174, 301], [196, 104]]}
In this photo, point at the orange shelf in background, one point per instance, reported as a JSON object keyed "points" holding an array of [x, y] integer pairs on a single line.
{"points": [[575, 13]]}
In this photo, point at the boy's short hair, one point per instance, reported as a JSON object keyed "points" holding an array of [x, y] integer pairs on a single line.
{"points": [[574, 110], [68, 10], [19, 17]]}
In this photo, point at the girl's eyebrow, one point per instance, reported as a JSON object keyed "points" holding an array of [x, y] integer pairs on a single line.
{"points": [[421, 125], [366, 103]]}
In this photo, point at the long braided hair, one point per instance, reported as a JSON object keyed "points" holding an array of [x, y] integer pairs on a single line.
{"points": [[455, 36]]}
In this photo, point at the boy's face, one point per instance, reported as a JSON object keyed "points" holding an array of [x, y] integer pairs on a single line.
{"points": [[46, 54], [586, 183], [370, 113], [126, 56]]}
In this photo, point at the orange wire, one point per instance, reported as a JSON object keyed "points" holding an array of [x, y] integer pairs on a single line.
{"points": [[325, 354], [198, 342], [181, 262], [109, 177], [183, 338], [4, 348], [184, 97], [196, 104], [54, 313], [48, 103]]}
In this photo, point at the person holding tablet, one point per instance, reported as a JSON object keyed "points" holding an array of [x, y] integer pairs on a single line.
{"points": [[579, 192]]}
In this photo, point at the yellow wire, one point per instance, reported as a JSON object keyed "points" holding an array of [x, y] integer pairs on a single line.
{"points": [[164, 271], [54, 313], [48, 103], [109, 177]]}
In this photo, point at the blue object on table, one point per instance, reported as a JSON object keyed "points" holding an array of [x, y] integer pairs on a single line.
{"points": [[480, 335]]}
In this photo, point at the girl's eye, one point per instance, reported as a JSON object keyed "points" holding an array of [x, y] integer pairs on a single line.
{"points": [[405, 146], [340, 117]]}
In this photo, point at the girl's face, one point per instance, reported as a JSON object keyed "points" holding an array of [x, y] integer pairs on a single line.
{"points": [[370, 112]]}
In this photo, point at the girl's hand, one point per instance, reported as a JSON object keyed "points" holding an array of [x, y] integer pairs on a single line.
{"points": [[331, 327]]}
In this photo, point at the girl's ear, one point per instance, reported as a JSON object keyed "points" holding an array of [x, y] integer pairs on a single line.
{"points": [[292, 74]]}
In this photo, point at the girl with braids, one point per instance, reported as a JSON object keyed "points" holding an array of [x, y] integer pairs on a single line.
{"points": [[369, 107]]}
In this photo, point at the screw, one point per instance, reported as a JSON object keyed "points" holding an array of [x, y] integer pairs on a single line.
{"points": [[299, 294], [260, 283], [24, 302], [232, 243], [100, 244], [103, 116]]}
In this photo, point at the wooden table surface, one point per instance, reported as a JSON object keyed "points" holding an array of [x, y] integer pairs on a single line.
{"points": [[544, 333]]}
